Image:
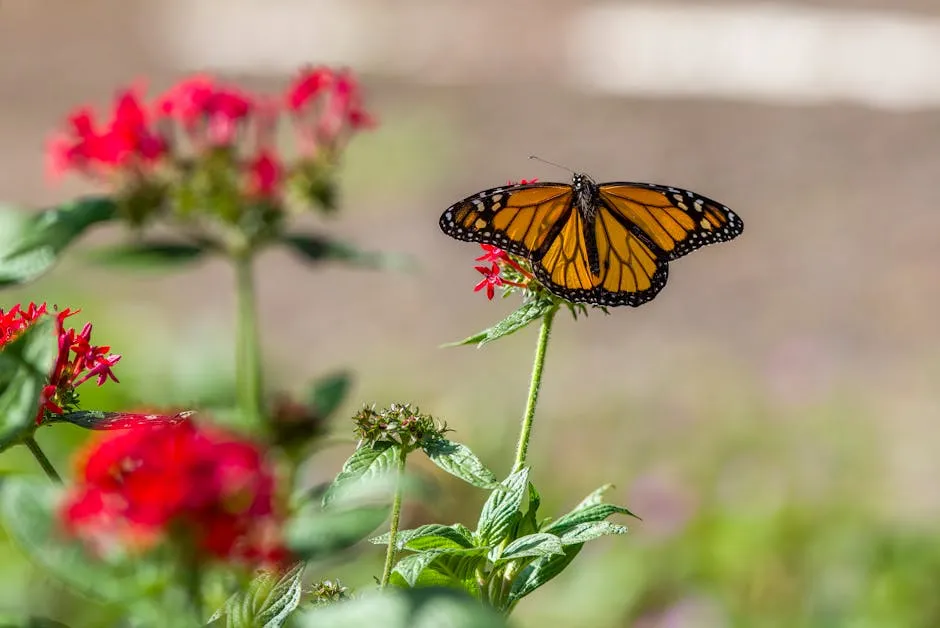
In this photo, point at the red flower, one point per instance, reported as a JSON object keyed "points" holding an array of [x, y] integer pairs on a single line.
{"points": [[522, 181], [492, 254], [327, 109], [198, 486], [127, 141], [211, 114], [490, 281], [77, 361], [265, 175]]}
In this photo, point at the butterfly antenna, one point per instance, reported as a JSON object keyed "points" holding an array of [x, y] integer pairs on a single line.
{"points": [[551, 163]]}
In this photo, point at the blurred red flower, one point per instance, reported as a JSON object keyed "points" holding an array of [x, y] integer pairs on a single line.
{"points": [[207, 490]]}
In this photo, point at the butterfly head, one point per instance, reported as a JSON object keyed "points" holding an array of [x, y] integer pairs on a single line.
{"points": [[585, 194]]}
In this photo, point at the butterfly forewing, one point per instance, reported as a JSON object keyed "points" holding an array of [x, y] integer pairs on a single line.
{"points": [[515, 218], [677, 221]]}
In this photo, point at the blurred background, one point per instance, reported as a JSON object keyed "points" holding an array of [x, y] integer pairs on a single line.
{"points": [[772, 415]]}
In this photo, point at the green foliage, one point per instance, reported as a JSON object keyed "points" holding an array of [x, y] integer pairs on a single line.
{"points": [[157, 256], [534, 309], [412, 608], [268, 601], [319, 248], [25, 364], [31, 245]]}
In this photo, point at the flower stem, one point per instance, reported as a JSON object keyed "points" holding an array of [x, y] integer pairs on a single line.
{"points": [[527, 419], [247, 347], [44, 462], [192, 576], [395, 519]]}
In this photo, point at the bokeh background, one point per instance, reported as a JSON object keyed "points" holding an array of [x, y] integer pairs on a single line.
{"points": [[772, 415]]}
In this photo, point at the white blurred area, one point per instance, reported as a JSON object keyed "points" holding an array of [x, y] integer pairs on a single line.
{"points": [[776, 53]]}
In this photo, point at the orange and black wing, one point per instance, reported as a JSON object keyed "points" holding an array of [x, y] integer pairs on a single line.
{"points": [[673, 220], [519, 219], [630, 270]]}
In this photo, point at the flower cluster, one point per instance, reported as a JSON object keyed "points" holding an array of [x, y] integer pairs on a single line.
{"points": [[77, 360], [402, 424], [204, 490], [232, 165]]}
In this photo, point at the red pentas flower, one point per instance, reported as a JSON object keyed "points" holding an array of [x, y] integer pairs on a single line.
{"points": [[77, 361], [210, 113], [198, 486], [327, 109], [126, 142]]}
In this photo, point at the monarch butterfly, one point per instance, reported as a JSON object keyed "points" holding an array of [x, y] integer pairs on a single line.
{"points": [[606, 244]]}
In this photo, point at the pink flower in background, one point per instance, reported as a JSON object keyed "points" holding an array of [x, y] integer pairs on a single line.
{"points": [[210, 113]]}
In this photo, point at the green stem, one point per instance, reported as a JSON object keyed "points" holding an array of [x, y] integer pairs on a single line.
{"points": [[44, 462], [193, 580], [523, 447], [393, 524], [247, 347]]}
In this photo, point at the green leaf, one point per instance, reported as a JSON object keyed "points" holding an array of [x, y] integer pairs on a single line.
{"points": [[154, 255], [591, 509], [100, 420], [314, 533], [405, 608], [430, 537], [367, 462], [318, 248], [28, 507], [328, 392], [589, 531], [456, 569], [529, 523], [530, 311], [271, 597], [539, 544], [541, 571], [25, 365], [411, 566], [35, 243], [458, 460], [501, 511]]}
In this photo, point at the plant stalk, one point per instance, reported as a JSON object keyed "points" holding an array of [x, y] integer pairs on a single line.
{"points": [[41, 458], [247, 344], [529, 416], [395, 519]]}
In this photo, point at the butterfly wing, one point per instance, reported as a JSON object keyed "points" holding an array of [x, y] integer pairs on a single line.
{"points": [[674, 220], [631, 270], [519, 219]]}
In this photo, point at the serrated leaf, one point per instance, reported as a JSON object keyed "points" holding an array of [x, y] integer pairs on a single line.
{"points": [[318, 248], [28, 507], [597, 512], [100, 420], [314, 533], [456, 569], [405, 608], [41, 238], [268, 601], [411, 566], [540, 571], [529, 312], [328, 392], [459, 461], [26, 365], [539, 544], [529, 523], [501, 510], [367, 462], [583, 532], [431, 536], [151, 255]]}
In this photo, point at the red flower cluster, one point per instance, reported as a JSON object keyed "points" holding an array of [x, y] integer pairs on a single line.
{"points": [[325, 107], [500, 261], [206, 490], [77, 361]]}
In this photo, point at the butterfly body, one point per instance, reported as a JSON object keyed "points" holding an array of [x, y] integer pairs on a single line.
{"points": [[607, 244]]}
